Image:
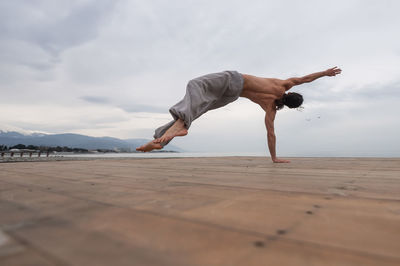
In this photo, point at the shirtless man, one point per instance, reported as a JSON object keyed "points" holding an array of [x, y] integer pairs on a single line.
{"points": [[216, 90]]}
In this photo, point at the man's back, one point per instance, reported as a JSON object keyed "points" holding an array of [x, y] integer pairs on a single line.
{"points": [[263, 91]]}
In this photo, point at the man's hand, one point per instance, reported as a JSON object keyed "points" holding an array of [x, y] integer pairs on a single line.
{"points": [[276, 160], [333, 71]]}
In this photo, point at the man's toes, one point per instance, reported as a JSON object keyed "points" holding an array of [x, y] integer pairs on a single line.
{"points": [[157, 146]]}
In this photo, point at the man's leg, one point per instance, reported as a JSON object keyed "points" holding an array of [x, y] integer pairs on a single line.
{"points": [[164, 134], [177, 129], [194, 103], [149, 146]]}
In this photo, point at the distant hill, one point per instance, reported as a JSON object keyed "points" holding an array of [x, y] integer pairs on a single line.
{"points": [[12, 138]]}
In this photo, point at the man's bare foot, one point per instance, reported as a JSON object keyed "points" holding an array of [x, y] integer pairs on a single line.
{"points": [[149, 146], [177, 129]]}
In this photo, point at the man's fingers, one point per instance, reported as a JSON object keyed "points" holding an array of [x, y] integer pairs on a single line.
{"points": [[334, 71]]}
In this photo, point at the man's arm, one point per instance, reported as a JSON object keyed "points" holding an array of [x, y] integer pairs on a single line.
{"points": [[309, 78], [269, 123]]}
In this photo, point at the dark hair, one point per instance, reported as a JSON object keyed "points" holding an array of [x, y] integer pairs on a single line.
{"points": [[291, 100]]}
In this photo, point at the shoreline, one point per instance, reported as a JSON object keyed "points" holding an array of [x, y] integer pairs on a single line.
{"points": [[154, 156]]}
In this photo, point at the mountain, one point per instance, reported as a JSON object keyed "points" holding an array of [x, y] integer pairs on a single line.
{"points": [[12, 138]]}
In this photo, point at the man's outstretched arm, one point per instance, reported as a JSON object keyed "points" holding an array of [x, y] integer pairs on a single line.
{"points": [[269, 123], [311, 77]]}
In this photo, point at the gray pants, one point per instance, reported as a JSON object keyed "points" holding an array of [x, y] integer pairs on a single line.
{"points": [[203, 94]]}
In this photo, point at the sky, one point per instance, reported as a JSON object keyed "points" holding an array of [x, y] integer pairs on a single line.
{"points": [[113, 68]]}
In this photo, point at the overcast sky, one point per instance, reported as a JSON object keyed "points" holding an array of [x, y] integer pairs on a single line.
{"points": [[113, 68]]}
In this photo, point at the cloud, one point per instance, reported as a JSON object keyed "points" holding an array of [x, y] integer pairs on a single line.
{"points": [[53, 26], [130, 108], [95, 99], [139, 108]]}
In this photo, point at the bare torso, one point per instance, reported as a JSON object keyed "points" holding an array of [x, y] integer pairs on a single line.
{"points": [[263, 91]]}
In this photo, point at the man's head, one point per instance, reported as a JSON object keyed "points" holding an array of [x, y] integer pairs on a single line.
{"points": [[291, 100]]}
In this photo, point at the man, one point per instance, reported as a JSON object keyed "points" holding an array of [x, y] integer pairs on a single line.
{"points": [[216, 90]]}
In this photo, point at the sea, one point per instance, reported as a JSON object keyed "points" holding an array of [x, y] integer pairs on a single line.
{"points": [[163, 155]]}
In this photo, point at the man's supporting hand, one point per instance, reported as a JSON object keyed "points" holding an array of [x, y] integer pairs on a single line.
{"points": [[333, 71], [276, 160]]}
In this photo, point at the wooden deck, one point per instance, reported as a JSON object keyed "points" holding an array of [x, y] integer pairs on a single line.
{"points": [[200, 211]]}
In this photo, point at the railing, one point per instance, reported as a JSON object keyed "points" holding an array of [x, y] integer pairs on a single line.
{"points": [[21, 154]]}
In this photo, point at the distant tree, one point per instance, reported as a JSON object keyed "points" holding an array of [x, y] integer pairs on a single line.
{"points": [[18, 146], [105, 150], [32, 147], [80, 150]]}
